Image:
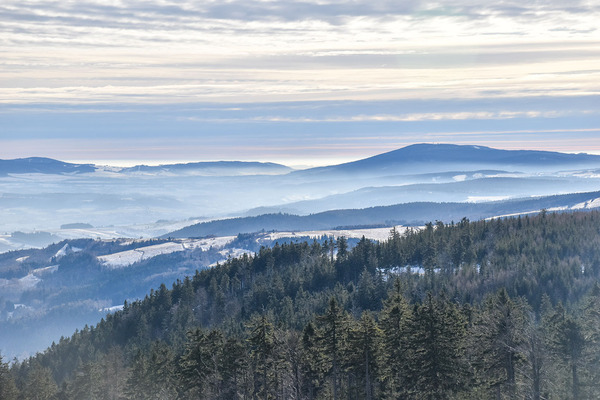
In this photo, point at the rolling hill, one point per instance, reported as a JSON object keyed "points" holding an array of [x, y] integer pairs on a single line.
{"points": [[416, 213], [41, 165], [427, 158]]}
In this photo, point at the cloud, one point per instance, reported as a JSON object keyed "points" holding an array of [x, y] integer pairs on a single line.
{"points": [[438, 116], [252, 70]]}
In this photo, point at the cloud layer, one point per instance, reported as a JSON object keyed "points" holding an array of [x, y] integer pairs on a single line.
{"points": [[66, 65]]}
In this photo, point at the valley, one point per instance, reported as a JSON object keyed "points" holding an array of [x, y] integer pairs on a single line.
{"points": [[80, 240]]}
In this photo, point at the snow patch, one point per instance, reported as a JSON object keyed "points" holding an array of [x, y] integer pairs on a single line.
{"points": [[235, 253], [126, 258], [46, 270], [111, 309], [231, 253], [65, 250], [459, 178], [21, 259], [129, 257], [29, 281], [407, 269], [587, 204], [480, 199], [379, 234]]}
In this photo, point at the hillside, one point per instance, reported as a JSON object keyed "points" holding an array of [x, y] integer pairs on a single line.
{"points": [[399, 214], [427, 158], [217, 168], [466, 310], [41, 165], [44, 197], [48, 293], [463, 188]]}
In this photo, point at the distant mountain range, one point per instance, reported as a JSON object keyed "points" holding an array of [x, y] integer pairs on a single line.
{"points": [[214, 168], [418, 158], [83, 279], [464, 188], [41, 165], [424, 173], [427, 158], [417, 213]]}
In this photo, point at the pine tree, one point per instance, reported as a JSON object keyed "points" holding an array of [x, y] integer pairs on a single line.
{"points": [[395, 324], [333, 336], [8, 388], [261, 339], [437, 358], [342, 248], [138, 386], [500, 334], [591, 327], [113, 374], [365, 292], [153, 375], [364, 348], [86, 385], [201, 363], [233, 366], [39, 384], [537, 357], [568, 344], [311, 365]]}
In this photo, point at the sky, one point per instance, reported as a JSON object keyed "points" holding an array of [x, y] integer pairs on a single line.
{"points": [[298, 82]]}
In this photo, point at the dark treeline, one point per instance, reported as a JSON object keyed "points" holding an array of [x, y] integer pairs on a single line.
{"points": [[500, 309]]}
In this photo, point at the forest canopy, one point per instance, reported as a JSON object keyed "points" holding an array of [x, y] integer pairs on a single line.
{"points": [[505, 308]]}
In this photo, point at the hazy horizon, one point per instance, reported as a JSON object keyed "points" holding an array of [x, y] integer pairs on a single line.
{"points": [[292, 163]]}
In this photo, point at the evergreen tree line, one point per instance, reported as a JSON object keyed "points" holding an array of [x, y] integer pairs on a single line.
{"points": [[507, 308]]}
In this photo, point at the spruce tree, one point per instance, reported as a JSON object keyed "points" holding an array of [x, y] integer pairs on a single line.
{"points": [[332, 342], [437, 356], [39, 384], [568, 344], [500, 337], [363, 355], [8, 388], [201, 362], [395, 321], [311, 362], [261, 339]]}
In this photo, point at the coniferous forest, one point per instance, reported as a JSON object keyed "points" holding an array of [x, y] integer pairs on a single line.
{"points": [[499, 309]]}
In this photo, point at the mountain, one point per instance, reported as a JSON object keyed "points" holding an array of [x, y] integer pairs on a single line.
{"points": [[41, 165], [416, 213], [216, 168], [437, 313], [495, 187], [49, 292], [427, 158], [419, 173]]}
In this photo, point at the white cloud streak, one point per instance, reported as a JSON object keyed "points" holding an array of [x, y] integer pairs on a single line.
{"points": [[100, 70], [163, 51]]}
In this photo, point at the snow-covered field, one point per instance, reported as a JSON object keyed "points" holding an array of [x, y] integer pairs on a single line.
{"points": [[127, 231], [379, 234], [586, 205], [27, 282], [128, 257], [481, 199]]}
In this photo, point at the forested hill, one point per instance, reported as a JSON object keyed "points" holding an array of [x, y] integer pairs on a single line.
{"points": [[508, 308], [398, 214]]}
